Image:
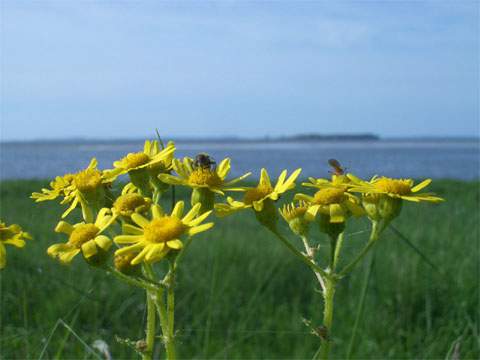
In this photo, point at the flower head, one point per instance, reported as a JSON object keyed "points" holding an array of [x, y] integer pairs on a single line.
{"points": [[86, 187], [83, 237], [202, 177], [129, 203], [150, 158], [152, 239], [382, 196], [294, 215], [256, 197], [395, 188], [11, 235], [331, 200]]}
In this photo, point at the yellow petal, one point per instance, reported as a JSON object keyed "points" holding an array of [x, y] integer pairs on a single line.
{"points": [[140, 220], [258, 205], [192, 213], [290, 183], [103, 242], [175, 244], [337, 215], [128, 249], [281, 179], [178, 209], [127, 239], [157, 211], [170, 179], [64, 227], [17, 242], [223, 168], [153, 251], [198, 229], [139, 258], [312, 212], [146, 147], [89, 249], [422, 185], [131, 229], [264, 178], [198, 220]]}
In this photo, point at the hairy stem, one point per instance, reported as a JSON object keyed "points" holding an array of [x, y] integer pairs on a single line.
{"points": [[299, 255], [311, 254]]}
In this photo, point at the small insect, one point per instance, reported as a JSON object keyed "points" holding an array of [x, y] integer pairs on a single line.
{"points": [[204, 161], [337, 168]]}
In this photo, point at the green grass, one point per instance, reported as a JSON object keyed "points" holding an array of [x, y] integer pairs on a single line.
{"points": [[241, 295]]}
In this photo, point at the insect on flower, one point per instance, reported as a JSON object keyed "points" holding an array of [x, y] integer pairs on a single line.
{"points": [[337, 168], [204, 161]]}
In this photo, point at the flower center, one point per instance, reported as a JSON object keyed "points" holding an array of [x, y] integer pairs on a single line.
{"points": [[203, 176], [164, 229], [134, 160], [82, 234], [329, 196], [393, 186], [256, 194], [128, 203], [87, 180]]}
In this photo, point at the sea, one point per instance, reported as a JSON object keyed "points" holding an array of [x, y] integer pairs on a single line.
{"points": [[437, 159]]}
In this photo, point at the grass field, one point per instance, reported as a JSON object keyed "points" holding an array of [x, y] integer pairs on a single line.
{"points": [[241, 295]]}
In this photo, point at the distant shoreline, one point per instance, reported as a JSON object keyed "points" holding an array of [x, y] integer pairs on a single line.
{"points": [[307, 138]]}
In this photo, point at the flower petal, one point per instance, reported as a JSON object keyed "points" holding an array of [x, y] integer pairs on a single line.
{"points": [[131, 229], [223, 168], [127, 239], [198, 229], [89, 249], [157, 211], [337, 214], [103, 242], [422, 185], [175, 244], [140, 220], [178, 209], [64, 227]]}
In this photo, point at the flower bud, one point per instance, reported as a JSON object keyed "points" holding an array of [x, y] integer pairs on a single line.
{"points": [[123, 264], [203, 196]]}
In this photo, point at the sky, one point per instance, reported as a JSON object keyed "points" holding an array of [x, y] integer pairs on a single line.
{"points": [[110, 69]]}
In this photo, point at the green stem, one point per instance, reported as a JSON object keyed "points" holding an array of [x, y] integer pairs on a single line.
{"points": [[327, 317], [171, 313], [148, 354], [311, 253], [131, 281], [374, 235], [338, 248], [299, 255]]}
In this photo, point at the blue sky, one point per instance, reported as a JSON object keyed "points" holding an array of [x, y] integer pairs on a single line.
{"points": [[103, 69]]}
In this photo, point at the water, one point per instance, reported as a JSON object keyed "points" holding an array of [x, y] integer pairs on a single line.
{"points": [[415, 159]]}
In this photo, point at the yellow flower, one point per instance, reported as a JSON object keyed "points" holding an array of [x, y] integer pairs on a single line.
{"points": [[332, 199], [11, 235], [129, 203], [198, 177], [86, 187], [58, 187], [152, 239], [257, 196], [150, 158], [395, 188], [294, 215], [84, 237]]}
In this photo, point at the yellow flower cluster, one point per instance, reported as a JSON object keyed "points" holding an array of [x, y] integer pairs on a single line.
{"points": [[144, 232]]}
